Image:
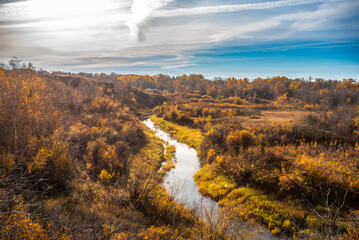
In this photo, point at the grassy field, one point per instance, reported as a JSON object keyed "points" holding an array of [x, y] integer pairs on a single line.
{"points": [[269, 117], [190, 136]]}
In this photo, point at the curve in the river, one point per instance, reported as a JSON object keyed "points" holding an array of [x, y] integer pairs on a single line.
{"points": [[180, 183]]}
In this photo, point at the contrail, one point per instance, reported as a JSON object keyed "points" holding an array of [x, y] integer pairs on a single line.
{"points": [[232, 8]]}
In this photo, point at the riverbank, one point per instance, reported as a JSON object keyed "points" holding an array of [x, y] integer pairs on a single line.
{"points": [[179, 180], [192, 137]]}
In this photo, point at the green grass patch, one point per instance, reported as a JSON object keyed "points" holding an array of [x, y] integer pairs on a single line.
{"points": [[169, 161], [249, 203], [211, 184], [190, 136]]}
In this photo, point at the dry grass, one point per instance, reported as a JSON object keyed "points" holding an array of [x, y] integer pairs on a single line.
{"points": [[269, 117]]}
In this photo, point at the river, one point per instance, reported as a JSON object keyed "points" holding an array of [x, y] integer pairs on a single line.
{"points": [[180, 184]]}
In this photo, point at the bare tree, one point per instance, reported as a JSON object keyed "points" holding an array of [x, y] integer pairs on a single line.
{"points": [[332, 204]]}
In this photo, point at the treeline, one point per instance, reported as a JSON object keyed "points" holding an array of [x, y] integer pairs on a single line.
{"points": [[330, 93]]}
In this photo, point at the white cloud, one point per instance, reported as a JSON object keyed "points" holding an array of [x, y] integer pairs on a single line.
{"points": [[110, 64], [35, 9], [141, 10], [241, 32], [231, 8], [179, 65], [324, 17]]}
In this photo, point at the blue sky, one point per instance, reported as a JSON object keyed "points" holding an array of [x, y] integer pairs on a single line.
{"points": [[244, 38]]}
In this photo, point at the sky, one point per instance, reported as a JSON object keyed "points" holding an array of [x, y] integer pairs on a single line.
{"points": [[243, 38]]}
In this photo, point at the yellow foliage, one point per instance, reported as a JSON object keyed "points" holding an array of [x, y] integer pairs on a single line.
{"points": [[286, 224], [105, 176], [353, 227], [157, 233], [276, 231], [56, 154], [282, 99], [119, 236], [211, 155], [308, 107], [107, 229], [240, 139], [19, 225], [295, 85], [40, 159]]}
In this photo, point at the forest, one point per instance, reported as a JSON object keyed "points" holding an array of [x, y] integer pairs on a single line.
{"points": [[77, 163]]}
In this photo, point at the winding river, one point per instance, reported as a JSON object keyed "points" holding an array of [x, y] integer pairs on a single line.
{"points": [[180, 184]]}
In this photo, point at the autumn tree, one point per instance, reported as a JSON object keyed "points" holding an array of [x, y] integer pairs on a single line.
{"points": [[240, 140]]}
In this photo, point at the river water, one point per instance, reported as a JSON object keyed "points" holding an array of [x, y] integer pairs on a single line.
{"points": [[180, 184], [179, 181]]}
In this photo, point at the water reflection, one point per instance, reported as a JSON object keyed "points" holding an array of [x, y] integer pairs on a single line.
{"points": [[179, 181]]}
